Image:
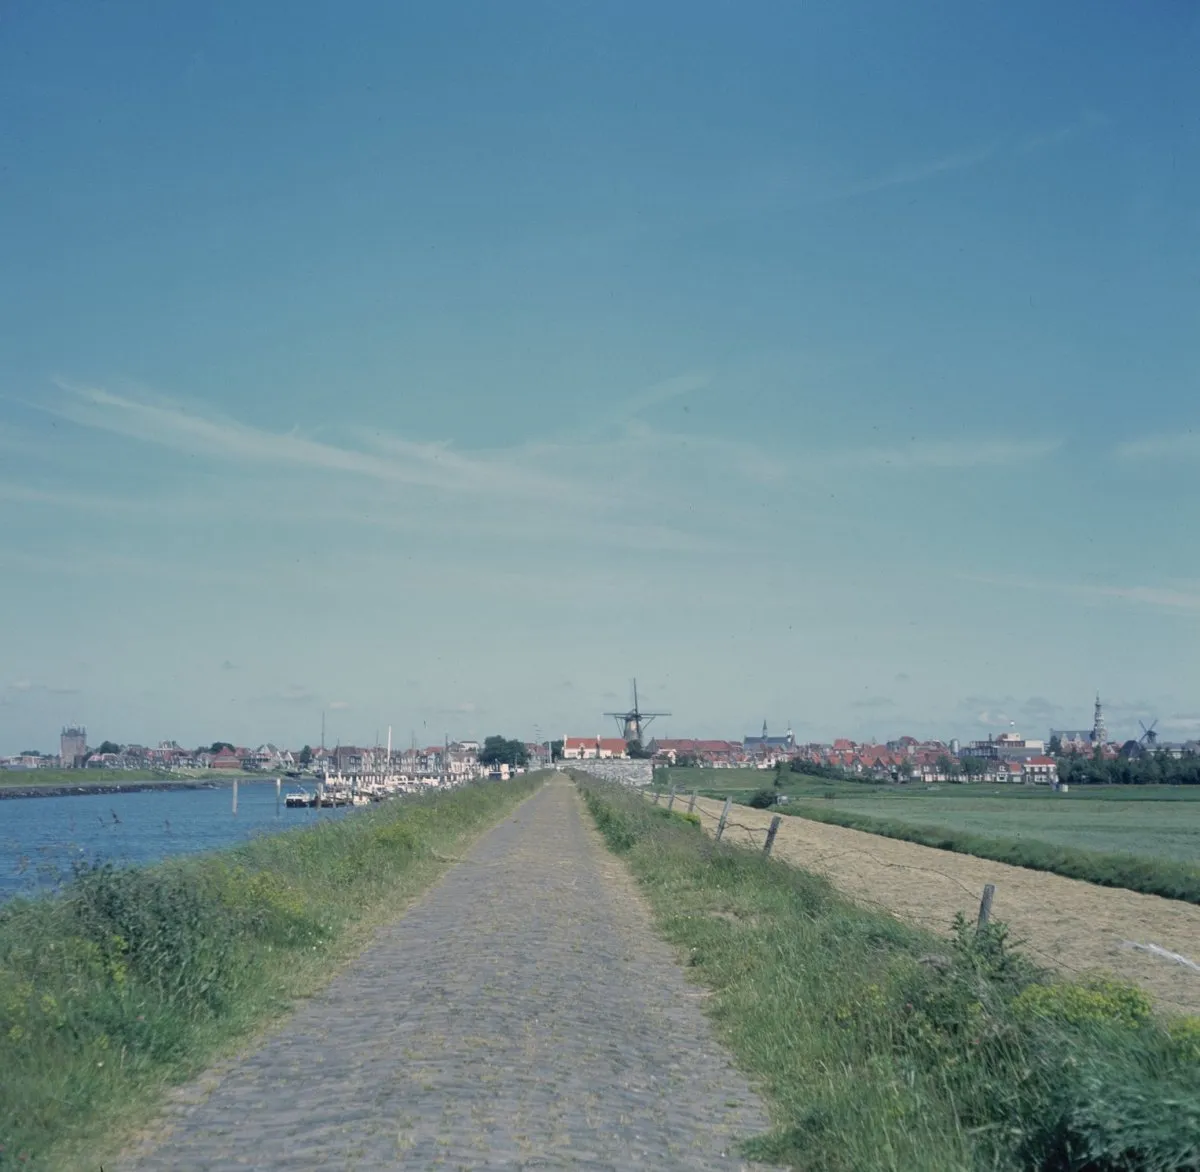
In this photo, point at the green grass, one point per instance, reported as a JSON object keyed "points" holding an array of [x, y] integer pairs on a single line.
{"points": [[880, 1047], [135, 978], [1142, 838]]}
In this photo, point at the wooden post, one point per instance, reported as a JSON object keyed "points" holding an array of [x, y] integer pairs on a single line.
{"points": [[278, 788], [771, 834], [235, 795], [671, 797], [985, 905], [657, 795], [692, 803], [724, 817]]}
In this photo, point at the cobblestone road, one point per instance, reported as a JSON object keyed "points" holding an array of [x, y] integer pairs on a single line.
{"points": [[522, 1014]]}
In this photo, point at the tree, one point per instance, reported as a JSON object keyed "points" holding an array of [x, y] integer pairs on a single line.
{"points": [[306, 755], [108, 747], [947, 766], [779, 773], [217, 746], [1055, 745], [499, 751], [637, 751], [556, 748], [974, 766]]}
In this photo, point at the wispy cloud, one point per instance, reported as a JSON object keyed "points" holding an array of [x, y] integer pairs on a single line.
{"points": [[920, 172], [875, 702], [665, 391], [1164, 598], [934, 454], [30, 687], [1178, 445], [88, 502], [156, 419]]}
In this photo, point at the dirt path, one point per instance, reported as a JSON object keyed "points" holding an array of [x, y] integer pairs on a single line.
{"points": [[1074, 926], [522, 1014]]}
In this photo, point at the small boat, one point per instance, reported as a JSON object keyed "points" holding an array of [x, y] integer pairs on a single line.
{"points": [[299, 800]]}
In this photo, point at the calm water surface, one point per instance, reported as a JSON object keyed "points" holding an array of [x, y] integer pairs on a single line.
{"points": [[40, 838]]}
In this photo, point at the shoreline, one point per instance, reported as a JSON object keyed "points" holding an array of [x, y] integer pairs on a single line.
{"points": [[60, 790]]}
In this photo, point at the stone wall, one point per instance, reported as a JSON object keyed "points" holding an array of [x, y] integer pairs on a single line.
{"points": [[637, 773]]}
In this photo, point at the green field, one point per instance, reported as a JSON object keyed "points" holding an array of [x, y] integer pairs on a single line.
{"points": [[1160, 822], [1143, 838]]}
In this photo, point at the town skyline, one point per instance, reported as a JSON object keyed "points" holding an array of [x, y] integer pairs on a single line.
{"points": [[1126, 726]]}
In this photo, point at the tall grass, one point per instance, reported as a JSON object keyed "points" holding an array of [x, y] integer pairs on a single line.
{"points": [[134, 977], [879, 1046], [1165, 877]]}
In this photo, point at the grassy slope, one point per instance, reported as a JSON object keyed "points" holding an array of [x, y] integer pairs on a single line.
{"points": [[134, 979], [1022, 825], [880, 1048]]}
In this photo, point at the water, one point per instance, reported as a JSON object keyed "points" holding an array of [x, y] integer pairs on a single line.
{"points": [[40, 838]]}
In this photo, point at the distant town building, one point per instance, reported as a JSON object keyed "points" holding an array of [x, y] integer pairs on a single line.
{"points": [[1040, 771], [1005, 747], [768, 746], [1083, 740], [714, 753], [73, 747], [592, 748]]}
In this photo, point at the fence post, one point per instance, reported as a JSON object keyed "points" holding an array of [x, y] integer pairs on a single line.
{"points": [[724, 816], [657, 795], [771, 834], [985, 905], [235, 795], [692, 803], [671, 797]]}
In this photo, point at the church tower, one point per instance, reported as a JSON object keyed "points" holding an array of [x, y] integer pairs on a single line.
{"points": [[1099, 732]]}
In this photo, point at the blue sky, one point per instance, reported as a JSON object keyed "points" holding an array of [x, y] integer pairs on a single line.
{"points": [[444, 366]]}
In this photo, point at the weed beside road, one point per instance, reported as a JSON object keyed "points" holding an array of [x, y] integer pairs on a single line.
{"points": [[134, 978], [883, 1047]]}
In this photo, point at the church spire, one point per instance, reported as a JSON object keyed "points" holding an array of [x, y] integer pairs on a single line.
{"points": [[1099, 731]]}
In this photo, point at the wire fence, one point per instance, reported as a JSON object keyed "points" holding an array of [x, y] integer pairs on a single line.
{"points": [[722, 823]]}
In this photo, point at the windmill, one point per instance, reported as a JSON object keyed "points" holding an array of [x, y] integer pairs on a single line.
{"points": [[635, 720], [1149, 738]]}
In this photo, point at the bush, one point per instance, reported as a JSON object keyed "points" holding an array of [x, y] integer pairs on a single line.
{"points": [[764, 799]]}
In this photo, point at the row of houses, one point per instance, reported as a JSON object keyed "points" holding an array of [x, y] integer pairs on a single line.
{"points": [[1005, 758]]}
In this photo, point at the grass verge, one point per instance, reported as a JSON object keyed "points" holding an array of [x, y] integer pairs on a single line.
{"points": [[135, 978], [881, 1047], [1165, 877]]}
